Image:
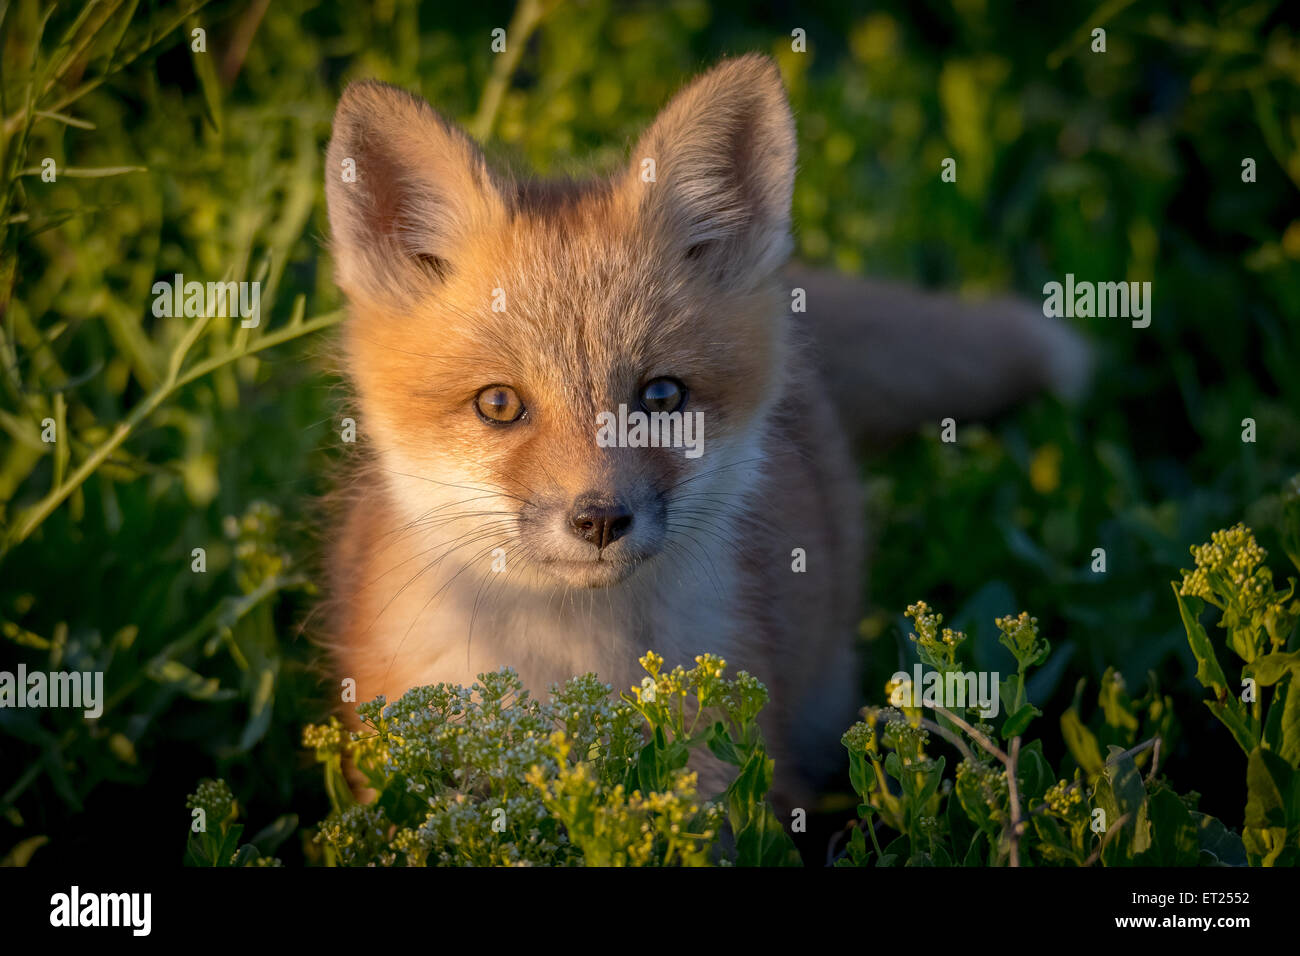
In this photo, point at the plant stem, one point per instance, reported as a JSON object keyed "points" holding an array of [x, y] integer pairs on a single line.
{"points": [[31, 519], [1013, 794], [974, 735], [528, 14]]}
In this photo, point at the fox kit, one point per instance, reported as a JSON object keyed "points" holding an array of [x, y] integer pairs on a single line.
{"points": [[496, 323]]}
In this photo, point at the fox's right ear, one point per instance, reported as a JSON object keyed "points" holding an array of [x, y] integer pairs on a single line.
{"points": [[403, 185], [714, 173]]}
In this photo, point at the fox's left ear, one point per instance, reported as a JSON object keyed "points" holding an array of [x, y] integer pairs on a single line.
{"points": [[714, 174]]}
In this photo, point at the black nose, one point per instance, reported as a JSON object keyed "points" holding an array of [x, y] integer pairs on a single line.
{"points": [[599, 520]]}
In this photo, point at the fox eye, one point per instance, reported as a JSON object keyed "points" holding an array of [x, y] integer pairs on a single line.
{"points": [[499, 405], [663, 395]]}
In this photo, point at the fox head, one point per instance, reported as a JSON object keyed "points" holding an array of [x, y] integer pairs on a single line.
{"points": [[495, 323]]}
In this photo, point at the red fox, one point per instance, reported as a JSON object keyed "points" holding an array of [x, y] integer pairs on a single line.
{"points": [[497, 323]]}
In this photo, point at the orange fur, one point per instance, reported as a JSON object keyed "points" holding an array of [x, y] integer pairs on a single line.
{"points": [[608, 285]]}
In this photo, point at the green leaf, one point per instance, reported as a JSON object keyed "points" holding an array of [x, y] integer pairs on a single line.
{"points": [[650, 772], [1121, 794], [188, 682], [1233, 715], [861, 774], [336, 785], [261, 705], [1267, 847], [24, 637], [1033, 771], [1103, 798], [857, 852], [246, 855], [21, 853], [196, 854], [676, 756], [1054, 842], [894, 766], [229, 844], [972, 802], [722, 746], [1083, 745], [206, 73], [660, 738], [1009, 692], [1115, 704], [1217, 842], [1174, 839], [929, 784], [899, 849], [754, 780], [764, 842], [1289, 732], [761, 840], [1208, 671], [1016, 724], [1271, 668], [1271, 791]]}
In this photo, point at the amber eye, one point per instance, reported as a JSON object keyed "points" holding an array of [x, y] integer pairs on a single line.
{"points": [[663, 395], [499, 405]]}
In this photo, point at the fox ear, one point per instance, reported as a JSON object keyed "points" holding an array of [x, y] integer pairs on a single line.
{"points": [[403, 185], [715, 172]]}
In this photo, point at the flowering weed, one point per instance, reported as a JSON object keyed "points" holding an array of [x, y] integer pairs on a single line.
{"points": [[487, 775]]}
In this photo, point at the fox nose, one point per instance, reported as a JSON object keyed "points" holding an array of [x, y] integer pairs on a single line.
{"points": [[599, 520]]}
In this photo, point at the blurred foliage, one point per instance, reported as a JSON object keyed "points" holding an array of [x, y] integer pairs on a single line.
{"points": [[173, 432]]}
